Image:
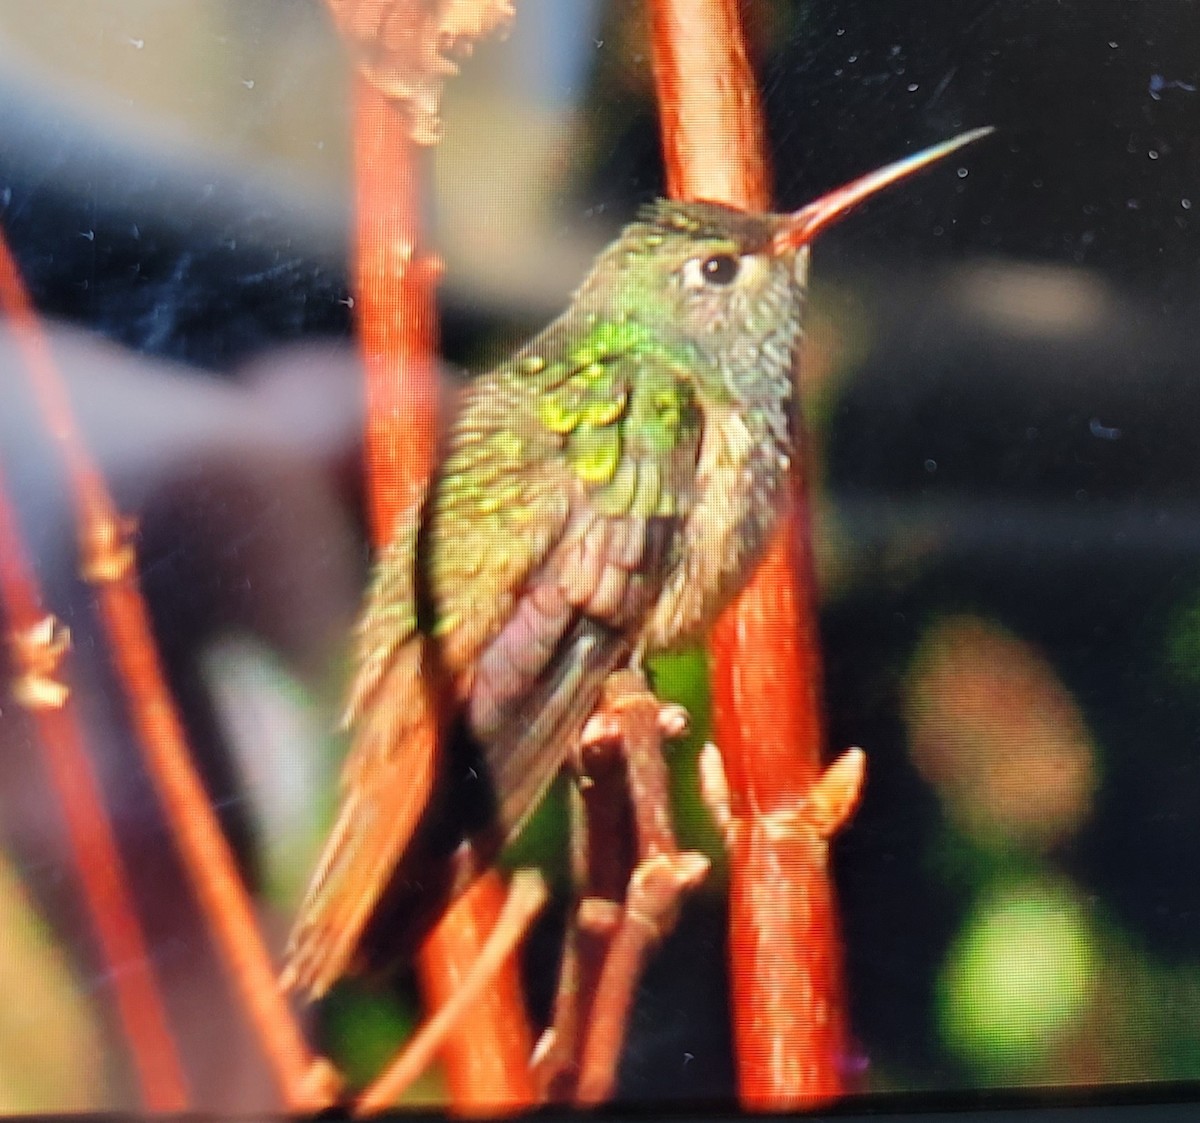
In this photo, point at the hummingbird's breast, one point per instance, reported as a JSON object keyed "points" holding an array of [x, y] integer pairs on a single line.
{"points": [[746, 398], [744, 459]]}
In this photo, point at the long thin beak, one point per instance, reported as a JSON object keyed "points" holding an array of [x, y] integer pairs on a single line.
{"points": [[800, 227]]}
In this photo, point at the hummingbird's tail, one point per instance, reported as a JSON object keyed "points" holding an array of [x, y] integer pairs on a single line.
{"points": [[386, 785]]}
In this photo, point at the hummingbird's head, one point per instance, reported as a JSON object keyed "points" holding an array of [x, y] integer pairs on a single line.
{"points": [[723, 287], [711, 284]]}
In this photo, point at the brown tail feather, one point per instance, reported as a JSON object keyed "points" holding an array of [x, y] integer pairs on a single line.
{"points": [[385, 786]]}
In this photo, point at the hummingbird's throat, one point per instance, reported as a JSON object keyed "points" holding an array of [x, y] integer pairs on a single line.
{"points": [[800, 266]]}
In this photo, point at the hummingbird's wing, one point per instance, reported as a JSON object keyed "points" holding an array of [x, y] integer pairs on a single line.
{"points": [[386, 780], [541, 678], [610, 437]]}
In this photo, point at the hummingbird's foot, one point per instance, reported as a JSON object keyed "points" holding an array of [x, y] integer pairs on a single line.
{"points": [[604, 726]]}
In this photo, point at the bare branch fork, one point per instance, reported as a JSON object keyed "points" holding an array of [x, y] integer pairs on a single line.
{"points": [[39, 645], [633, 723], [628, 898], [108, 565]]}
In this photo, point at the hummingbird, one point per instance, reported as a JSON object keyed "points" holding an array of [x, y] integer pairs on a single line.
{"points": [[602, 495]]}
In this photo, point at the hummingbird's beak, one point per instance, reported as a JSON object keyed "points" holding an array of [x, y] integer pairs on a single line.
{"points": [[800, 227]]}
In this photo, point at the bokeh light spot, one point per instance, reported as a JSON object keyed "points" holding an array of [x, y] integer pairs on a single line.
{"points": [[1017, 980], [999, 737]]}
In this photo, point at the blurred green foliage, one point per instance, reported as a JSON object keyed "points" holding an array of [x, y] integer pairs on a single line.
{"points": [[1181, 643], [1018, 977], [52, 1047], [682, 677], [366, 1026]]}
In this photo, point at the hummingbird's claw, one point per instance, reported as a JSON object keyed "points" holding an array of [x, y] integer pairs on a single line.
{"points": [[604, 727], [600, 729], [673, 720]]}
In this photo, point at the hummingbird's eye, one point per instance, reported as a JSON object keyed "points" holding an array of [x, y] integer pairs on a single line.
{"points": [[720, 269]]}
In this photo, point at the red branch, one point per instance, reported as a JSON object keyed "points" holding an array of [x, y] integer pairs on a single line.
{"points": [[487, 1056], [785, 947], [36, 652], [108, 564], [397, 314]]}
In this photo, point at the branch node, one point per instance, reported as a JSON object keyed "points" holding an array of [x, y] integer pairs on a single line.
{"points": [[600, 731], [673, 720], [836, 794], [714, 790], [429, 269], [598, 915], [657, 887], [606, 728], [106, 548], [823, 812], [408, 50], [544, 1048], [322, 1084], [39, 650]]}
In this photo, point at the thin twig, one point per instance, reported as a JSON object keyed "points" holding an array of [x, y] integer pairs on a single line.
{"points": [[108, 564], [486, 1057], [785, 950], [526, 898], [38, 646]]}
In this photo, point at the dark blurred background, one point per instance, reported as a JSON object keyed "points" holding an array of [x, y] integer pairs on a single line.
{"points": [[999, 381]]}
